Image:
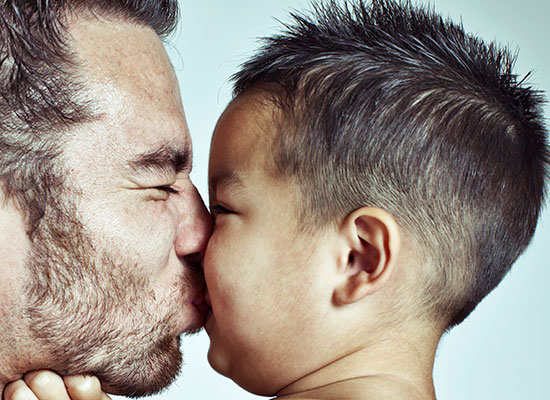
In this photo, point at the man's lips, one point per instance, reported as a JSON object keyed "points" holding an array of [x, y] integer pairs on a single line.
{"points": [[196, 281], [208, 302], [201, 305]]}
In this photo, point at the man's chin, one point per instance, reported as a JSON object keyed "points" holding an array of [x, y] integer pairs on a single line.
{"points": [[193, 331], [133, 388], [143, 376]]}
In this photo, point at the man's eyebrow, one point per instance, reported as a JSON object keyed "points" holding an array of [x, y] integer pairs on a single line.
{"points": [[225, 179], [164, 159]]}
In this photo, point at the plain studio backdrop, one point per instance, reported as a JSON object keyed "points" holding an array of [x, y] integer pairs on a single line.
{"points": [[502, 350]]}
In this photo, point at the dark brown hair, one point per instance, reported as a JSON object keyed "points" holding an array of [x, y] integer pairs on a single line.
{"points": [[389, 105]]}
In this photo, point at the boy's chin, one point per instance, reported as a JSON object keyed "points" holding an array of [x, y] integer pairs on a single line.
{"points": [[243, 373]]}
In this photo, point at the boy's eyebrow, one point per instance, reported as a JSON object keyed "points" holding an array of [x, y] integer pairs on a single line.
{"points": [[164, 159], [225, 178]]}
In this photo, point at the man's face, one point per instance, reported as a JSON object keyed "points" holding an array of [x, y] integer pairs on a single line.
{"points": [[267, 280], [116, 259]]}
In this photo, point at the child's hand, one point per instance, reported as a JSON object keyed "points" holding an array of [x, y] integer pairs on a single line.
{"points": [[47, 385]]}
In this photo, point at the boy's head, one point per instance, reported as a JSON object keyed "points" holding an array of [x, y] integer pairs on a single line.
{"points": [[376, 154], [388, 105]]}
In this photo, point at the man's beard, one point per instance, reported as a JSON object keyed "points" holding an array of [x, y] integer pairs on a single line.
{"points": [[91, 314]]}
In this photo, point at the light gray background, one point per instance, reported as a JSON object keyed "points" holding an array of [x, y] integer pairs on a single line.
{"points": [[501, 351]]}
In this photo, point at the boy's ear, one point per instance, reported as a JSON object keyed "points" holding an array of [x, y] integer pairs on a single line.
{"points": [[372, 242]]}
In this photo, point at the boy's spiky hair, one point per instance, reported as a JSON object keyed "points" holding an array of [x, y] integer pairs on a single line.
{"points": [[387, 104]]}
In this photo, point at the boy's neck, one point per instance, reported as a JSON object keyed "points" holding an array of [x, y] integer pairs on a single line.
{"points": [[396, 369], [366, 388]]}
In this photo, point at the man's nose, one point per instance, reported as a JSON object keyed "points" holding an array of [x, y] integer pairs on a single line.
{"points": [[194, 229]]}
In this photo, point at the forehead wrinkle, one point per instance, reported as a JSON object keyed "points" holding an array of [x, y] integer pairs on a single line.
{"points": [[164, 159]]}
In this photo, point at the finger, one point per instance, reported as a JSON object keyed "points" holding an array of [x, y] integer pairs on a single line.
{"points": [[18, 390], [84, 388], [46, 385]]}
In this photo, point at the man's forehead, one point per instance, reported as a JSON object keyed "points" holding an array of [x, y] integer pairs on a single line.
{"points": [[140, 121], [114, 37], [122, 53]]}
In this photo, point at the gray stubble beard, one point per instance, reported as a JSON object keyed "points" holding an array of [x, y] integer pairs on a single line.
{"points": [[89, 317]]}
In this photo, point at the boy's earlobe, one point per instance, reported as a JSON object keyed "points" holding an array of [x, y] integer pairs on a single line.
{"points": [[373, 240]]}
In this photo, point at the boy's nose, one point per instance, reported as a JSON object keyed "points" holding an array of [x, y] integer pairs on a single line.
{"points": [[194, 229]]}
